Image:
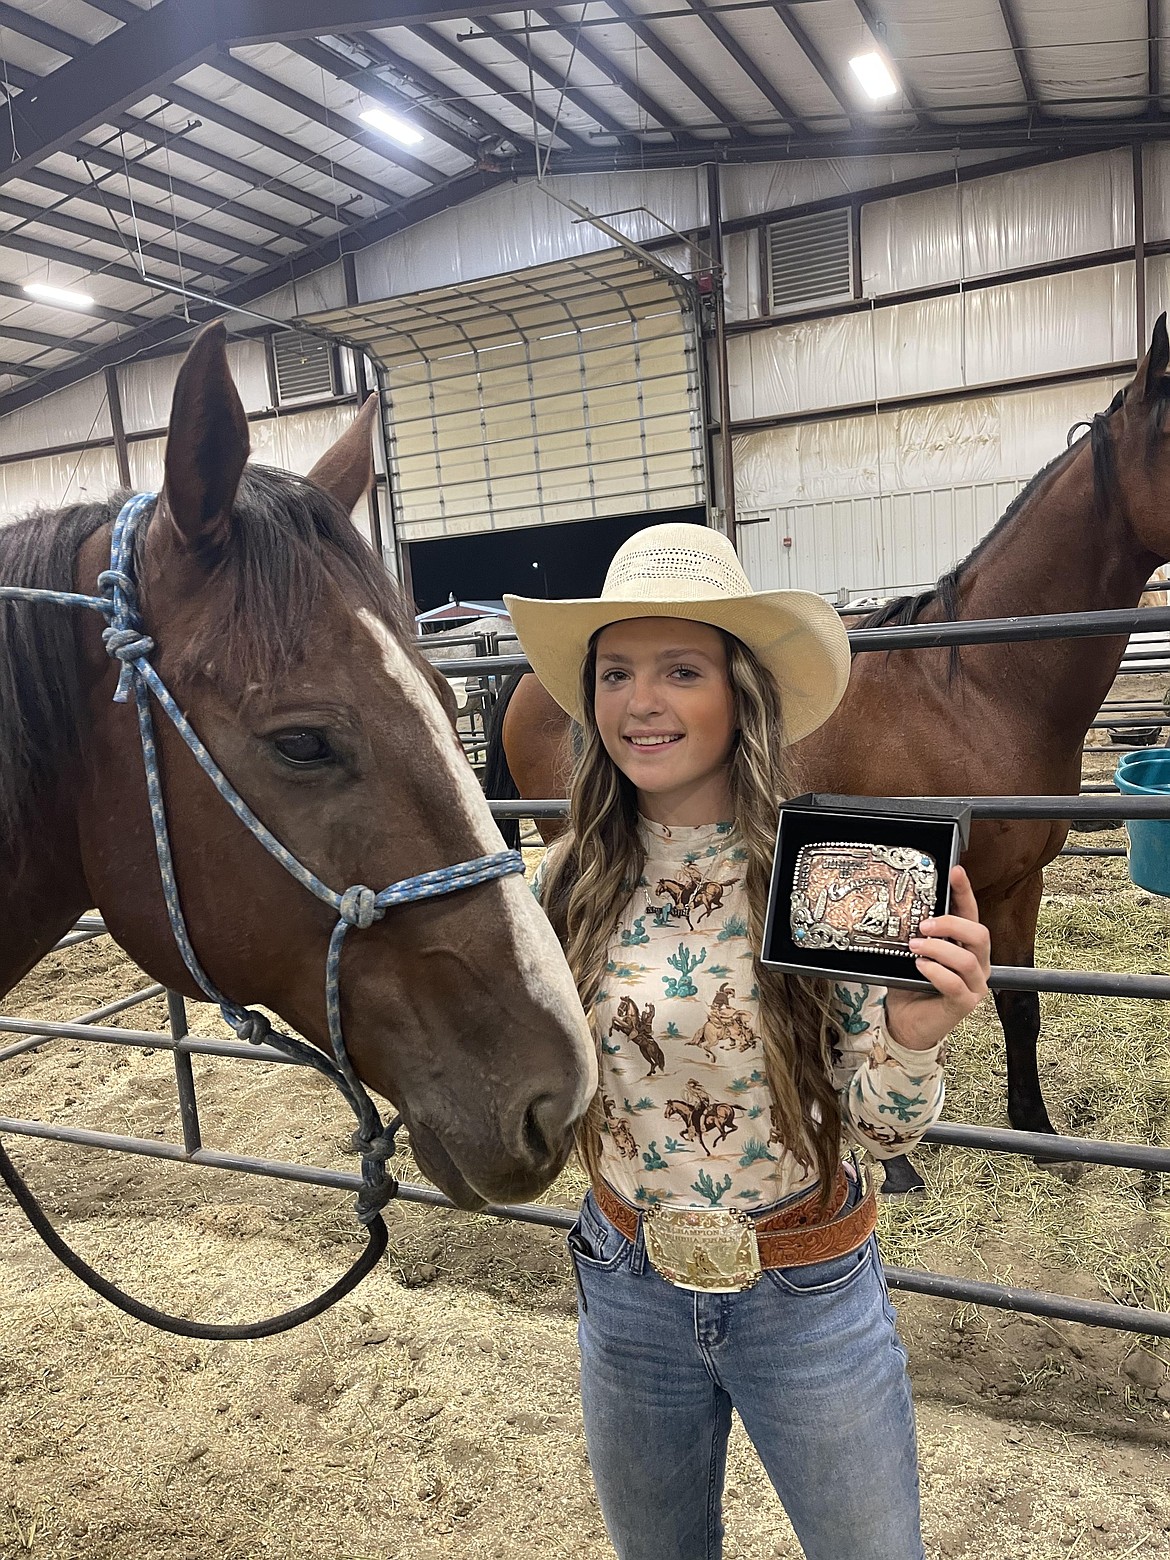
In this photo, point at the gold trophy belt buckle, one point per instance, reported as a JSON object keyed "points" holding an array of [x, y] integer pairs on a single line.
{"points": [[695, 1248]]}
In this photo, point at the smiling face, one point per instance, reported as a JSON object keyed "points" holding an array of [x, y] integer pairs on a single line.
{"points": [[666, 715]]}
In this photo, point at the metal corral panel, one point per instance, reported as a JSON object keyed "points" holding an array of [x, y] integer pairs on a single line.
{"points": [[563, 392], [882, 544]]}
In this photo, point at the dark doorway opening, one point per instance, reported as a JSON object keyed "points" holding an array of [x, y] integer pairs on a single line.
{"points": [[539, 560]]}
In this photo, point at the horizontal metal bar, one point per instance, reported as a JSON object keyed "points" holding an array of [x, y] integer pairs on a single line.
{"points": [[145, 1039], [73, 938], [1031, 1302], [151, 1148], [107, 1011], [977, 631], [1082, 983], [1001, 1297], [1072, 807], [1047, 1145], [1094, 850]]}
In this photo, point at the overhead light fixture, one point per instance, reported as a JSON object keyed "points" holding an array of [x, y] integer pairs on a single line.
{"points": [[874, 74], [390, 124], [64, 297]]}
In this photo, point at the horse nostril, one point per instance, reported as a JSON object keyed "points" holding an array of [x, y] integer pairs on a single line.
{"points": [[536, 1144]]}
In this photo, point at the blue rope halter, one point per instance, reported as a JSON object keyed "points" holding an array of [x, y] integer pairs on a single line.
{"points": [[126, 640]]}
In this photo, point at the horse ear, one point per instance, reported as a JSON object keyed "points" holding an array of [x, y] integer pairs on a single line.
{"points": [[207, 445], [347, 468], [1152, 369]]}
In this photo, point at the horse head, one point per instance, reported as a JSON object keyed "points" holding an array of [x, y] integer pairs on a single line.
{"points": [[280, 636], [1140, 459]]}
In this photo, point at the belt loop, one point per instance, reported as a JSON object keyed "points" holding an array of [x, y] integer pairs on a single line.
{"points": [[638, 1254]]}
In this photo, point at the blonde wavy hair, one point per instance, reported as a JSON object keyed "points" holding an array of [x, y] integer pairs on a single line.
{"points": [[594, 868]]}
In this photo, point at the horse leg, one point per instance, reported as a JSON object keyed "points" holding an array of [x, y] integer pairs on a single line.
{"points": [[1012, 923], [900, 1178]]}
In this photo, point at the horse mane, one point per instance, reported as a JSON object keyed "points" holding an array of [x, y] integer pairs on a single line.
{"points": [[945, 592], [287, 536]]}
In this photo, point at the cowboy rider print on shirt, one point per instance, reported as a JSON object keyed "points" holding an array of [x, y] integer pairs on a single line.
{"points": [[688, 1118]]}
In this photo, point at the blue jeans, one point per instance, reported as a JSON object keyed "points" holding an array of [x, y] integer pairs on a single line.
{"points": [[808, 1358]]}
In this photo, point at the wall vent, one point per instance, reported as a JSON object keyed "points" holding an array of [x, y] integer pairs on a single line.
{"points": [[809, 260], [306, 366]]}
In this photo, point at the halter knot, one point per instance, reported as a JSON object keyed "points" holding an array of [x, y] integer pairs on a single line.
{"points": [[110, 580], [252, 1027], [359, 907], [127, 644]]}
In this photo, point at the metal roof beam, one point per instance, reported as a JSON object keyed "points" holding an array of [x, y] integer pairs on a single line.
{"points": [[19, 370], [743, 59], [368, 81], [162, 332], [254, 178], [551, 73], [1016, 39], [157, 179], [63, 222], [29, 26], [36, 338], [877, 28], [588, 50], [79, 259], [817, 60], [330, 119], [172, 38], [1071, 139], [100, 194], [96, 311], [1153, 55], [678, 68], [293, 150], [487, 123], [466, 61]]}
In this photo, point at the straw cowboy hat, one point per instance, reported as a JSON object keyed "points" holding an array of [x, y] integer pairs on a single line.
{"points": [[689, 571]]}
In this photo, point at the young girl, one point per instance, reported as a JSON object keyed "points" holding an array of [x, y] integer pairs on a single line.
{"points": [[725, 1257]]}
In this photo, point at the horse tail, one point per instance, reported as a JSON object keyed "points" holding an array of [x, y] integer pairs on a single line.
{"points": [[498, 783]]}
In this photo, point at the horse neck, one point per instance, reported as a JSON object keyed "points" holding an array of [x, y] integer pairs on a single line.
{"points": [[1059, 554], [42, 898]]}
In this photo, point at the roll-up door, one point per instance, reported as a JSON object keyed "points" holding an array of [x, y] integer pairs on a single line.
{"points": [[559, 393]]}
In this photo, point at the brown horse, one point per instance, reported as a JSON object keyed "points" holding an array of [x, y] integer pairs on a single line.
{"points": [[991, 720], [281, 637]]}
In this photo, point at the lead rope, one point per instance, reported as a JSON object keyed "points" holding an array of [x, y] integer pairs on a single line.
{"points": [[126, 640]]}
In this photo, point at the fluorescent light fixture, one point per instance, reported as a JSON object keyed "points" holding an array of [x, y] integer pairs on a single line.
{"points": [[874, 74], [65, 297], [390, 124]]}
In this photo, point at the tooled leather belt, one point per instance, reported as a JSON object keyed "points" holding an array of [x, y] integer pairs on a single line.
{"points": [[795, 1236]]}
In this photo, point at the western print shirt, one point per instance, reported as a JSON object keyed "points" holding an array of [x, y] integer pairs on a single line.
{"points": [[688, 1110]]}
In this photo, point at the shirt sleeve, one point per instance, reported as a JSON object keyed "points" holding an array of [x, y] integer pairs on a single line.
{"points": [[890, 1094]]}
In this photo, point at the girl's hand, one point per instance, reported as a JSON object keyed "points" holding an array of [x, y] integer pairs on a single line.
{"points": [[955, 957]]}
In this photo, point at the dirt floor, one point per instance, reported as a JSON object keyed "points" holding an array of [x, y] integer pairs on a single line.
{"points": [[434, 1413]]}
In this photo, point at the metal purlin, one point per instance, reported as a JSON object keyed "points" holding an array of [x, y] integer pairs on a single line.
{"points": [[359, 906]]}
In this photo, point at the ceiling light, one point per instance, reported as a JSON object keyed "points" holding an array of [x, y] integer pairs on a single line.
{"points": [[390, 124], [65, 297], [874, 74]]}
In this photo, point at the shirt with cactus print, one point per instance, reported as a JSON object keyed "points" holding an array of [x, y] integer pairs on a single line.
{"points": [[688, 1111]]}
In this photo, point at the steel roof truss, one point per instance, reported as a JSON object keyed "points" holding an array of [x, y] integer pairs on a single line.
{"points": [[329, 119]]}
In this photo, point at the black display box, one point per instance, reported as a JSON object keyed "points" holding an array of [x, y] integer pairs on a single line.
{"points": [[940, 829]]}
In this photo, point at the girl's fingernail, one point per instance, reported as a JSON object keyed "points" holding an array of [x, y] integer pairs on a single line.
{"points": [[918, 942], [926, 926]]}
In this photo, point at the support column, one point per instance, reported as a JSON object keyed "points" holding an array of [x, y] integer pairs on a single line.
{"points": [[722, 374], [118, 427], [1139, 250]]}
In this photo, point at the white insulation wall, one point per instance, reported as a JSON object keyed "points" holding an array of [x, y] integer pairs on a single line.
{"points": [[963, 341], [293, 440]]}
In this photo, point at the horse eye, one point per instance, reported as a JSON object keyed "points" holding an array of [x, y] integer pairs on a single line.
{"points": [[302, 748]]}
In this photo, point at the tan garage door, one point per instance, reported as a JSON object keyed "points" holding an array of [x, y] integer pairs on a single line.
{"points": [[562, 392]]}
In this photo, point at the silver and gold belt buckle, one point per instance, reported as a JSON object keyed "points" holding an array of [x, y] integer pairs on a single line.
{"points": [[714, 1251]]}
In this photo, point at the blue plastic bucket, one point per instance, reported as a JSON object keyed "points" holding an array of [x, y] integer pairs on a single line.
{"points": [[1147, 774]]}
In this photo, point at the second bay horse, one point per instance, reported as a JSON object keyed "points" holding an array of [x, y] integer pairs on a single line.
{"points": [[989, 720]]}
